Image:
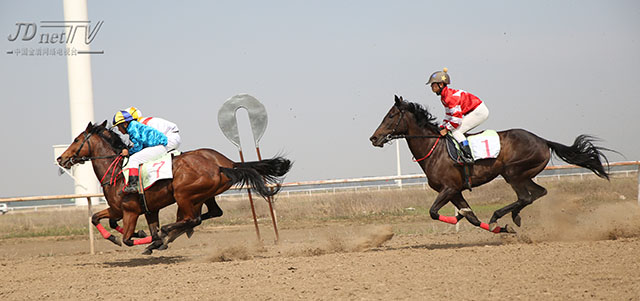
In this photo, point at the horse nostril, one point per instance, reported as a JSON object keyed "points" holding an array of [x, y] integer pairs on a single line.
{"points": [[373, 139], [59, 159]]}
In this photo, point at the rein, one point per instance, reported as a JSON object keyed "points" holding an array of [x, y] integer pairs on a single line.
{"points": [[111, 168], [431, 151]]}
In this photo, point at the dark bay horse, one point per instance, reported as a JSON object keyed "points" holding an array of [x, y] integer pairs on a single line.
{"points": [[198, 176], [522, 156]]}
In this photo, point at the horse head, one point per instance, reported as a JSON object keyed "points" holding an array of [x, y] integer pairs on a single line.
{"points": [[391, 123], [81, 149]]}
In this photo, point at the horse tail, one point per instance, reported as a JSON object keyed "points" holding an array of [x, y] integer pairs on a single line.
{"points": [[583, 153], [257, 173]]}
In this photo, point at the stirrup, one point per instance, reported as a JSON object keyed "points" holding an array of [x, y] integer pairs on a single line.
{"points": [[130, 189]]}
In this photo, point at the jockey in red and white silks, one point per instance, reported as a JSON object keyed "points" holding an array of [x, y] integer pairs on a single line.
{"points": [[463, 112]]}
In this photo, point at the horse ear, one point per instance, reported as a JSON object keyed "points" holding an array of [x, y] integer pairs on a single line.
{"points": [[89, 126], [398, 100], [104, 124]]}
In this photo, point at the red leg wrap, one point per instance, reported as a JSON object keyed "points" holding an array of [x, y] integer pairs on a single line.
{"points": [[103, 231], [119, 229], [143, 241], [486, 227], [448, 219]]}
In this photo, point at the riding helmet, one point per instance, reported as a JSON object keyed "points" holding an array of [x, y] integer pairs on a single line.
{"points": [[135, 113], [121, 116], [439, 77]]}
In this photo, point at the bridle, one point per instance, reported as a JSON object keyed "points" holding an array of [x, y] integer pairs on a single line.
{"points": [[111, 168], [391, 135], [84, 158]]}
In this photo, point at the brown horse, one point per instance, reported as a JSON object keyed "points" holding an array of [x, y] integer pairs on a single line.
{"points": [[522, 156], [198, 176]]}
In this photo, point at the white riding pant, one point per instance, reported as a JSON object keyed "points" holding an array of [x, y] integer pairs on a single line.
{"points": [[470, 121], [173, 141], [145, 155]]}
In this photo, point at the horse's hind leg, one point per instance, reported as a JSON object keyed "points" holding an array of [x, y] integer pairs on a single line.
{"points": [[173, 231], [535, 192], [493, 222], [527, 192], [213, 210]]}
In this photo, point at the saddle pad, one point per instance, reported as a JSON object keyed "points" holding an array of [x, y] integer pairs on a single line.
{"points": [[485, 145], [154, 170]]}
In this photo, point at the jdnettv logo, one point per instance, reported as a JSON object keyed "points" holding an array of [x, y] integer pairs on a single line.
{"points": [[53, 38]]}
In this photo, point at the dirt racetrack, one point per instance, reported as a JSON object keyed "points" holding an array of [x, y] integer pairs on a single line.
{"points": [[559, 254]]}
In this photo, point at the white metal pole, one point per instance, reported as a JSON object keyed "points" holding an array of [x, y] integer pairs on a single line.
{"points": [[80, 91], [92, 248], [399, 182]]}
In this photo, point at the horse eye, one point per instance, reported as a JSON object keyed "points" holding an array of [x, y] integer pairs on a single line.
{"points": [[75, 140], [390, 115]]}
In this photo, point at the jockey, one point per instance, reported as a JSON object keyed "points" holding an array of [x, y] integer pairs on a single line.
{"points": [[463, 110], [148, 143], [168, 128]]}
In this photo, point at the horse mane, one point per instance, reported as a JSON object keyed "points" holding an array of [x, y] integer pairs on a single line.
{"points": [[423, 118], [112, 138]]}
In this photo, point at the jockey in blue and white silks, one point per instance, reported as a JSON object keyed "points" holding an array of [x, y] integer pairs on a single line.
{"points": [[148, 143], [168, 128], [143, 136]]}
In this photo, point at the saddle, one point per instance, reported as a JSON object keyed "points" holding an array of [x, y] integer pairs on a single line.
{"points": [[159, 168], [484, 145]]}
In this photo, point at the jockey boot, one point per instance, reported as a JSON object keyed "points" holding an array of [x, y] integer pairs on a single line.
{"points": [[132, 184], [467, 157]]}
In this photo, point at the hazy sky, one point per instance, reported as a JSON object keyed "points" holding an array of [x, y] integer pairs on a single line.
{"points": [[326, 72]]}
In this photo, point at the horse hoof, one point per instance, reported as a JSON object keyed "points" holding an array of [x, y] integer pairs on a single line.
{"points": [[115, 240], [189, 233], [163, 231], [493, 226], [147, 252], [509, 229], [163, 247], [142, 234], [516, 219], [465, 211]]}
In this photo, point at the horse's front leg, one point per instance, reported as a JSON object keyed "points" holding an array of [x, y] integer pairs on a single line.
{"points": [[131, 210], [95, 220], [442, 199], [113, 223], [465, 210]]}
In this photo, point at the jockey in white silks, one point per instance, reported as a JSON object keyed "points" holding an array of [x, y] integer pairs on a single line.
{"points": [[168, 128], [148, 143]]}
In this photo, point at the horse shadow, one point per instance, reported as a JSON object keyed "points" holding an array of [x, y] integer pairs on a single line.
{"points": [[446, 246], [146, 261]]}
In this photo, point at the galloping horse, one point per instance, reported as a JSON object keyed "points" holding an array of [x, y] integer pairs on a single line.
{"points": [[522, 156], [198, 176]]}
